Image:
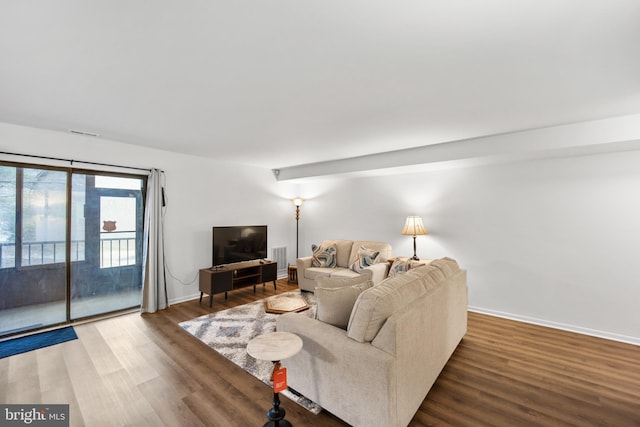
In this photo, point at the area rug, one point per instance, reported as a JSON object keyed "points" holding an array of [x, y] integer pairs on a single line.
{"points": [[33, 342], [229, 331]]}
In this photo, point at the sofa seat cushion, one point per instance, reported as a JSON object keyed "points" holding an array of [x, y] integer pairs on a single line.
{"points": [[344, 272], [376, 304], [314, 272], [340, 282]]}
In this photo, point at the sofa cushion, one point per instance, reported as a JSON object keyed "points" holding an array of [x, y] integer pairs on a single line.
{"points": [[375, 305], [400, 265], [433, 273], [345, 272], [383, 248], [365, 258], [314, 272], [334, 305], [340, 282], [404, 264], [447, 265], [343, 251], [324, 256]]}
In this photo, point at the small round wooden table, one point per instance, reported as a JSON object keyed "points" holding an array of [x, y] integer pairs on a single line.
{"points": [[275, 346]]}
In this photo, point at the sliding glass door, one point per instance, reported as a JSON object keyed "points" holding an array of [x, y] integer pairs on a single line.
{"points": [[106, 214], [33, 217], [70, 245]]}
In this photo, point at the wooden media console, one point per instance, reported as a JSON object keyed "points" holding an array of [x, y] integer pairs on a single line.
{"points": [[237, 275]]}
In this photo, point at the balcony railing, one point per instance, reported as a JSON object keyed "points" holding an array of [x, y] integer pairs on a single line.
{"points": [[115, 251]]}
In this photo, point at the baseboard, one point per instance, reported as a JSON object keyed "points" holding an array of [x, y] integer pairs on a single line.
{"points": [[185, 298], [557, 325], [197, 295]]}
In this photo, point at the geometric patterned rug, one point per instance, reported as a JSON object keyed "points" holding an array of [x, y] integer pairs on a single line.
{"points": [[229, 331]]}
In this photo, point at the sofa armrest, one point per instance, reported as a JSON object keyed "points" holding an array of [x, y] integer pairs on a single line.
{"points": [[303, 263], [378, 272], [354, 381], [303, 282]]}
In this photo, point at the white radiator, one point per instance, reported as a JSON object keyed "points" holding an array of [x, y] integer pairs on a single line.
{"points": [[279, 255]]}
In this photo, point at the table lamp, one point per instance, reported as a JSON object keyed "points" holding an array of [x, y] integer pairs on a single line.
{"points": [[413, 226]]}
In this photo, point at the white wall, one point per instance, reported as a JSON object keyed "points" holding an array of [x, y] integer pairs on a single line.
{"points": [[555, 241], [201, 193], [550, 241]]}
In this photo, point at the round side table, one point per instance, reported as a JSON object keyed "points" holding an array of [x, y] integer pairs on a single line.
{"points": [[275, 346]]}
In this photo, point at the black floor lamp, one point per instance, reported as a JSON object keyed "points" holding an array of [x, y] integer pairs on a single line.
{"points": [[298, 202]]}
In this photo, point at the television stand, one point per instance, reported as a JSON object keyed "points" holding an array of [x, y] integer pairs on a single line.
{"points": [[238, 275]]}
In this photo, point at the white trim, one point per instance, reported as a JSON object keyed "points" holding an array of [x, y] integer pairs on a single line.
{"points": [[197, 295], [556, 325], [184, 298]]}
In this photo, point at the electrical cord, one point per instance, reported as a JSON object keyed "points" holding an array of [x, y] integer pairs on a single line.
{"points": [[164, 256]]}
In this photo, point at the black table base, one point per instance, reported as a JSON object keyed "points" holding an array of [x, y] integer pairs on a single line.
{"points": [[276, 414]]}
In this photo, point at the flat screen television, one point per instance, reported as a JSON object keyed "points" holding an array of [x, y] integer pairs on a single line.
{"points": [[239, 243]]}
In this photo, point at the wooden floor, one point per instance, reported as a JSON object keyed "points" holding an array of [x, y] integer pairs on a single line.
{"points": [[137, 370]]}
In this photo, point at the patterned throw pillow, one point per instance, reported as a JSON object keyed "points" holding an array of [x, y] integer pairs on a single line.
{"points": [[366, 257], [400, 265], [323, 256]]}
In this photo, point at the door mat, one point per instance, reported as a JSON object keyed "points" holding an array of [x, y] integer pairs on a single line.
{"points": [[33, 342]]}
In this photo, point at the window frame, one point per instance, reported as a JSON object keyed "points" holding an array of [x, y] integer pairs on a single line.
{"points": [[70, 171]]}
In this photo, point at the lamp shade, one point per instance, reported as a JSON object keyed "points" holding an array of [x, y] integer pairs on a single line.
{"points": [[413, 226], [297, 201]]}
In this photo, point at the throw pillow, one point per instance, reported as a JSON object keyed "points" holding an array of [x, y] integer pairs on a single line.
{"points": [[334, 305], [400, 265], [366, 257], [323, 256], [340, 282]]}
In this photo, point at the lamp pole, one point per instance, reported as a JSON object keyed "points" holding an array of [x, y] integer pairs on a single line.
{"points": [[297, 227], [297, 201], [415, 256]]}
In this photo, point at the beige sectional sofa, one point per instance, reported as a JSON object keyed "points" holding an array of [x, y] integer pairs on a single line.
{"points": [[400, 334], [346, 255]]}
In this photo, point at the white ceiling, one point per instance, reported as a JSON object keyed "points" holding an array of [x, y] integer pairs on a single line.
{"points": [[278, 83]]}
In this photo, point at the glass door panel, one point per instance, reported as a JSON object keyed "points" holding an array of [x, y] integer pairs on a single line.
{"points": [[117, 237], [8, 203], [107, 215], [33, 285]]}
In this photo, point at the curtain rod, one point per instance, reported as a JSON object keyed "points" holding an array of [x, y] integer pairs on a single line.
{"points": [[77, 161]]}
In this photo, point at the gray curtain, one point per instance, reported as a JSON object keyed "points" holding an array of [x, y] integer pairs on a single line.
{"points": [[154, 286]]}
